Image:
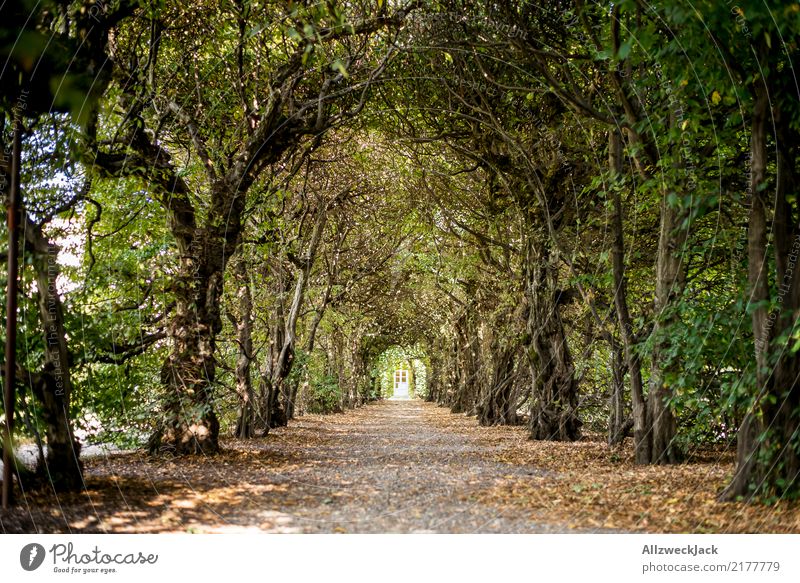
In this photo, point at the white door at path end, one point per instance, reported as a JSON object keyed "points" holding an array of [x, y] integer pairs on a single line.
{"points": [[400, 383]]}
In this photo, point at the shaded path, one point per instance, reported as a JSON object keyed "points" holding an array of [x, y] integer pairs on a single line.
{"points": [[404, 468], [401, 466], [393, 466]]}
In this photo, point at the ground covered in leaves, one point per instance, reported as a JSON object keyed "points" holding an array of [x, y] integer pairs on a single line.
{"points": [[399, 466]]}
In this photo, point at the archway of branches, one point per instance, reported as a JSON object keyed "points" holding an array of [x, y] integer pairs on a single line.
{"points": [[255, 213]]}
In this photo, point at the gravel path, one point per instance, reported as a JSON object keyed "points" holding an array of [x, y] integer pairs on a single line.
{"points": [[388, 467], [400, 471]]}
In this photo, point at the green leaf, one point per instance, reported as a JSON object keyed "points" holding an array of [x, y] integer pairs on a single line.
{"points": [[340, 67], [624, 50], [673, 200]]}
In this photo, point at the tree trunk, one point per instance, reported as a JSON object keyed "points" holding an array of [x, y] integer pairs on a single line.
{"points": [[291, 402], [468, 365], [281, 396], [617, 421], [641, 427], [498, 403], [190, 425], [245, 427], [670, 282], [554, 414], [767, 451], [758, 282], [433, 393], [62, 465], [452, 371], [782, 476]]}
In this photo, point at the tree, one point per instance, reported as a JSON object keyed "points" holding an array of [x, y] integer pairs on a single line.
{"points": [[299, 86]]}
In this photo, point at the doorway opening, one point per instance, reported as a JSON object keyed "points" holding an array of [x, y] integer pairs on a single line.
{"points": [[401, 372], [401, 378]]}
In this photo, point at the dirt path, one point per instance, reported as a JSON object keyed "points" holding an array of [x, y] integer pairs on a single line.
{"points": [[393, 466], [402, 466]]}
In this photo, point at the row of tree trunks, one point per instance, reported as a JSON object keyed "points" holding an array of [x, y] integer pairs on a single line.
{"points": [[767, 456]]}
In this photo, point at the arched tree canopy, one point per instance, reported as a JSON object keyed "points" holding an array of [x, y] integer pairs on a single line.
{"points": [[571, 216]]}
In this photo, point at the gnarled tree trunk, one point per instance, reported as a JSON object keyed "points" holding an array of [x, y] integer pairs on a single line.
{"points": [[498, 405], [498, 400], [554, 414], [190, 425], [281, 399]]}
